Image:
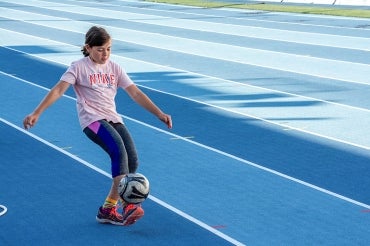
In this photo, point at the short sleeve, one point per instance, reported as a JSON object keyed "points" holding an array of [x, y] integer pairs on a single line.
{"points": [[124, 80], [70, 75]]}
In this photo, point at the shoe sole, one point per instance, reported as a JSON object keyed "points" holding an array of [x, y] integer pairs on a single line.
{"points": [[133, 216], [108, 221]]}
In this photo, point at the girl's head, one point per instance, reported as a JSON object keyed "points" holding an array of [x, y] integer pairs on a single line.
{"points": [[97, 44]]}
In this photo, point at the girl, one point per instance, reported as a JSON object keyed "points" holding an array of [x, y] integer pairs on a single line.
{"points": [[96, 80]]}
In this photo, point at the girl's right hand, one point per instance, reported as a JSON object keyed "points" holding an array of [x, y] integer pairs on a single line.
{"points": [[30, 120]]}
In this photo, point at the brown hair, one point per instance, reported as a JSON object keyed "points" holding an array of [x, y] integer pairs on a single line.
{"points": [[95, 36]]}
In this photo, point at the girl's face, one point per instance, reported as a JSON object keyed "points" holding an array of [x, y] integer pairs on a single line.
{"points": [[100, 54]]}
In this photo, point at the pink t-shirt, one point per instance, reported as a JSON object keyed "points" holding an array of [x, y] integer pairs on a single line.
{"points": [[96, 86]]}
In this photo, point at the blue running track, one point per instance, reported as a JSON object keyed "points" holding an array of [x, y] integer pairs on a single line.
{"points": [[270, 144]]}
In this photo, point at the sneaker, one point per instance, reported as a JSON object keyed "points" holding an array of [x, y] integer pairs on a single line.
{"points": [[131, 213], [109, 215]]}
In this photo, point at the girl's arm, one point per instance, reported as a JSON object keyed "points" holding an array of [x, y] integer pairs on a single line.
{"points": [[54, 94], [143, 100]]}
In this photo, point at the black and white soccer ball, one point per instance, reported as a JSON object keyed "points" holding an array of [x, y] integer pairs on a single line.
{"points": [[134, 188]]}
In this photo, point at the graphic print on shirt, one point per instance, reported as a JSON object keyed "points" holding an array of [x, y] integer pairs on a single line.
{"points": [[102, 80]]}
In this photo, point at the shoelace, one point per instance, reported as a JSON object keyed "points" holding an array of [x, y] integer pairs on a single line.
{"points": [[130, 206], [114, 213]]}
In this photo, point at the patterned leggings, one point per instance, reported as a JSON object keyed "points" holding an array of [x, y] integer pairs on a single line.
{"points": [[115, 139]]}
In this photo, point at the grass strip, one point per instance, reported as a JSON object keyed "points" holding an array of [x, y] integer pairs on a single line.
{"points": [[303, 9]]}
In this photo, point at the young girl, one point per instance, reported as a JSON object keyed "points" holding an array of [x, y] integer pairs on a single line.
{"points": [[96, 80]]}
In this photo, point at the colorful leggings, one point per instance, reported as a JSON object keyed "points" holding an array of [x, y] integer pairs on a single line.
{"points": [[115, 139]]}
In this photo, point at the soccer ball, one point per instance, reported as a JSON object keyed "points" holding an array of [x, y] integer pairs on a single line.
{"points": [[134, 188]]}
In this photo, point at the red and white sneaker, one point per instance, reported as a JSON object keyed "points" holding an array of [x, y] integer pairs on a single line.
{"points": [[109, 215], [132, 213]]}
